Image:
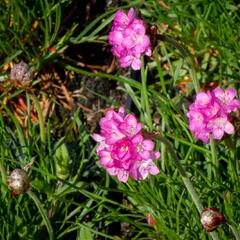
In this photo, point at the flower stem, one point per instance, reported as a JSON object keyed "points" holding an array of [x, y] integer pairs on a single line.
{"points": [[214, 157], [163, 149], [3, 173], [42, 212], [186, 180]]}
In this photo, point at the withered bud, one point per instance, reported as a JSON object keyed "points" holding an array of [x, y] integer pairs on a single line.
{"points": [[211, 218], [150, 219], [21, 74], [18, 181]]}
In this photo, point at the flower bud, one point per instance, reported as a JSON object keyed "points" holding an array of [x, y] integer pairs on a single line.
{"points": [[211, 218], [21, 75], [18, 181]]}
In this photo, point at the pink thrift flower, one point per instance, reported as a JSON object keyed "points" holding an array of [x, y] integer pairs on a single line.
{"points": [[143, 147], [208, 105], [129, 40], [226, 98], [130, 125], [122, 149], [210, 116], [219, 126]]}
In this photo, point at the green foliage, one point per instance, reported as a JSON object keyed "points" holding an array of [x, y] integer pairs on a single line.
{"points": [[74, 193]]}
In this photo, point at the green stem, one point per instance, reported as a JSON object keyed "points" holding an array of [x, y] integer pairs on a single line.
{"points": [[186, 180], [3, 173], [233, 166], [144, 97], [42, 212], [214, 157], [234, 230], [163, 149], [41, 119]]}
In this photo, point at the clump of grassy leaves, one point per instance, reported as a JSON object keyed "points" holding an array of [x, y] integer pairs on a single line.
{"points": [[80, 199]]}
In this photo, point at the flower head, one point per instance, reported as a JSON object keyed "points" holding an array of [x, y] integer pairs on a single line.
{"points": [[209, 115], [21, 74], [122, 149], [211, 218], [18, 181], [128, 39]]}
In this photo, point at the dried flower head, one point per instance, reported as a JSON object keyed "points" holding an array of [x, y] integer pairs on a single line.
{"points": [[129, 40], [211, 218], [122, 149], [20, 75], [18, 181], [210, 113]]}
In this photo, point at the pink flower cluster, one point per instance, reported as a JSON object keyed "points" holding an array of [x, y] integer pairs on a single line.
{"points": [[122, 149], [210, 113], [129, 40]]}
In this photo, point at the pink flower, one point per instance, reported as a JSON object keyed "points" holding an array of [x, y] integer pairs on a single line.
{"points": [[203, 99], [207, 104], [141, 169], [226, 99], [203, 135], [219, 126], [209, 115], [197, 119], [143, 147], [129, 40], [130, 125], [122, 149], [122, 20], [123, 152]]}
